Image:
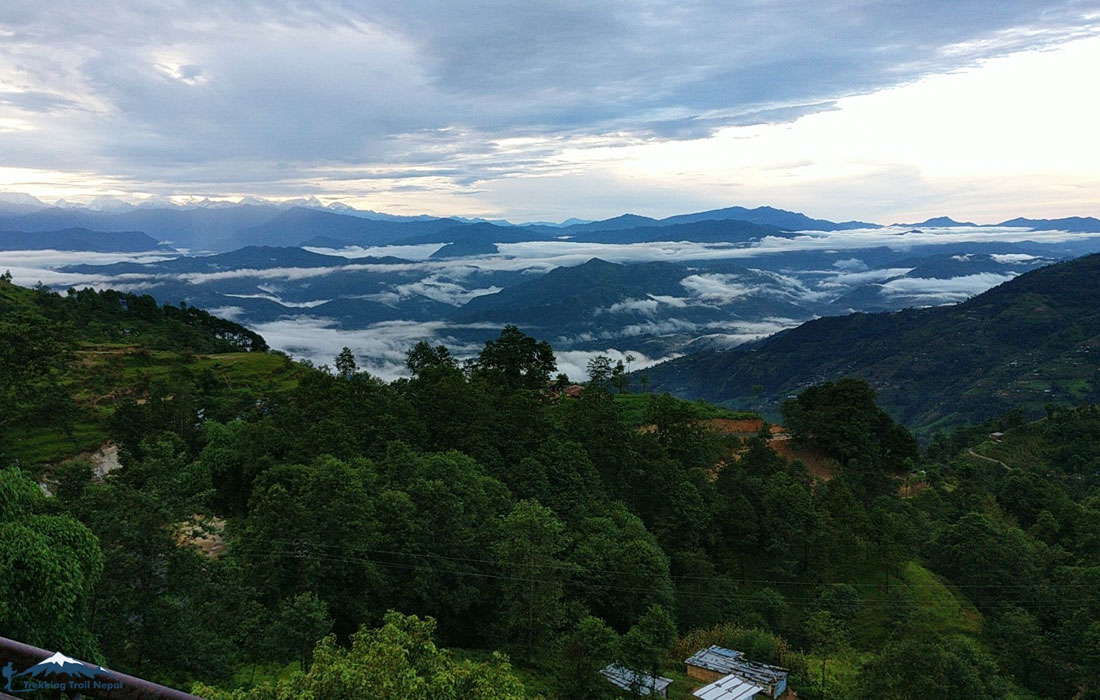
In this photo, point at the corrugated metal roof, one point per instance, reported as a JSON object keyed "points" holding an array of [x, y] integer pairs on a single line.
{"points": [[761, 674], [715, 658], [728, 688], [722, 660], [627, 680]]}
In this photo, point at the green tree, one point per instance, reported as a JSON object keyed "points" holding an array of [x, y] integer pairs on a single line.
{"points": [[645, 644], [843, 603], [398, 661], [990, 558], [842, 418], [824, 633], [423, 357], [591, 646], [301, 622], [157, 588], [620, 377], [345, 363], [614, 551], [946, 669], [826, 636], [518, 360], [49, 567], [532, 610], [600, 370]]}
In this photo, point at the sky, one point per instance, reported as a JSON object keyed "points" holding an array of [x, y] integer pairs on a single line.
{"points": [[881, 110]]}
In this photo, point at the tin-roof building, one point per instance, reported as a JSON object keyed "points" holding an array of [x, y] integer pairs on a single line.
{"points": [[715, 663], [728, 688], [631, 681], [711, 664]]}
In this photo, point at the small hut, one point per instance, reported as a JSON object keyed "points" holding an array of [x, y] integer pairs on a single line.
{"points": [[632, 681]]}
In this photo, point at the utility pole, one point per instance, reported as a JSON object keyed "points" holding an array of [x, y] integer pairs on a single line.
{"points": [[822, 677]]}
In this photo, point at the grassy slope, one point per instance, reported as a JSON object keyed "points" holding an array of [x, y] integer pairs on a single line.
{"points": [[100, 376]]}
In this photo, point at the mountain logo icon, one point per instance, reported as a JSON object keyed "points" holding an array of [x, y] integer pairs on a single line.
{"points": [[56, 668]]}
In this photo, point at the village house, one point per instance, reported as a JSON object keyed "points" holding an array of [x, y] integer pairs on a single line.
{"points": [[716, 663], [631, 681]]}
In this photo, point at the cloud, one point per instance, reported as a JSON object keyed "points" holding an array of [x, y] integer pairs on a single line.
{"points": [[427, 101], [675, 302], [437, 289], [233, 313], [636, 306], [277, 300], [721, 288], [938, 291], [29, 267], [668, 326], [1014, 258], [857, 278], [574, 363], [407, 252], [735, 334], [851, 264], [379, 348]]}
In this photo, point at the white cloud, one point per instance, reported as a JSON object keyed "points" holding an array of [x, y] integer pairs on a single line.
{"points": [[851, 264], [435, 288], [675, 302], [1013, 258], [857, 278], [938, 291], [379, 348], [61, 258], [720, 288], [232, 313], [277, 300], [408, 252], [475, 108], [574, 363], [635, 306], [668, 326]]}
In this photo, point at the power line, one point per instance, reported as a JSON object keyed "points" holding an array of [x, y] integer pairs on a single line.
{"points": [[726, 597], [574, 568]]}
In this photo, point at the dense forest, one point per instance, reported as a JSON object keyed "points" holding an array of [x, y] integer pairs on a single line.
{"points": [[279, 530]]}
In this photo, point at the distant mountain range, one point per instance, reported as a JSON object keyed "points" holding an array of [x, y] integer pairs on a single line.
{"points": [[1027, 342], [222, 226], [297, 226], [81, 239], [704, 281], [1073, 224]]}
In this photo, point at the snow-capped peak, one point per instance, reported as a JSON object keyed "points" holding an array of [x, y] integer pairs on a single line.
{"points": [[59, 659], [59, 664]]}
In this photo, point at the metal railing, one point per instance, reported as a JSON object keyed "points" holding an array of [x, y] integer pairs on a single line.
{"points": [[25, 656]]}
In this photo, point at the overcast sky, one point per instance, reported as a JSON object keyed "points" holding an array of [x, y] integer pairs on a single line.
{"points": [[880, 110]]}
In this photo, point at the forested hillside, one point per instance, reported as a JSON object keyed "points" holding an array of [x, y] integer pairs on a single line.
{"points": [[1028, 342], [287, 532]]}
